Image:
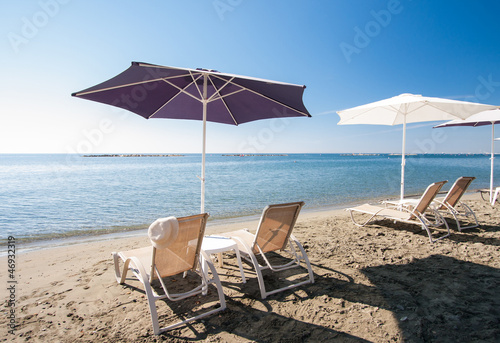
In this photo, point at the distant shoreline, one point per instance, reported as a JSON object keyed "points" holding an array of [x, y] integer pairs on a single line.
{"points": [[251, 155], [134, 155], [269, 154]]}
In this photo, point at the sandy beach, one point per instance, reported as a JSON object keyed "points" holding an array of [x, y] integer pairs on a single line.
{"points": [[380, 283]]}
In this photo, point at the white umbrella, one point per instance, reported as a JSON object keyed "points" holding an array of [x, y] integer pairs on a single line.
{"points": [[409, 108], [491, 117]]}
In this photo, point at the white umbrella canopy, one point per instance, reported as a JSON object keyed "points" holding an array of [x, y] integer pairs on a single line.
{"points": [[490, 117], [409, 108]]}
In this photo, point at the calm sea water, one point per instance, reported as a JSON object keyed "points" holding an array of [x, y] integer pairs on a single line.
{"points": [[47, 196]]}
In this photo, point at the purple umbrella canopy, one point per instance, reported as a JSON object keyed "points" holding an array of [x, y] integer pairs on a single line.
{"points": [[154, 91]]}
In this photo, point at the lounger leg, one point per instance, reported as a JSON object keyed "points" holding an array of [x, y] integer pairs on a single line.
{"points": [[204, 270], [361, 225], [467, 212], [260, 278], [258, 269], [470, 212], [455, 215], [306, 259], [142, 276], [238, 260], [120, 277], [152, 308], [215, 276], [439, 218]]}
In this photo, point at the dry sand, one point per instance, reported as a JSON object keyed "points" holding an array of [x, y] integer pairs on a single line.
{"points": [[381, 283]]}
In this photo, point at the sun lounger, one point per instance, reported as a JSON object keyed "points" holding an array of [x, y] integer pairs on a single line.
{"points": [[274, 233], [487, 191], [418, 213], [451, 203], [176, 250]]}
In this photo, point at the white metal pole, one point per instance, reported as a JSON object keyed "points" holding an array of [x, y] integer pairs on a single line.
{"points": [[403, 161], [204, 143], [492, 160]]}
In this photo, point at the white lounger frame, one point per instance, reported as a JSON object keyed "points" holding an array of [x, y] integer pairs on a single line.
{"points": [[294, 263], [145, 257], [246, 241]]}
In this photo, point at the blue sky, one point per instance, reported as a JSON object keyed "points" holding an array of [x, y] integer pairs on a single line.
{"points": [[347, 53]]}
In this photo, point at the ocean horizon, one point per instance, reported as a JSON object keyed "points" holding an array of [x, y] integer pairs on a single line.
{"points": [[51, 196]]}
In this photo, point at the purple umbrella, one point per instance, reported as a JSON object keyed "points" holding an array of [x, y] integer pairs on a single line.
{"points": [[154, 91]]}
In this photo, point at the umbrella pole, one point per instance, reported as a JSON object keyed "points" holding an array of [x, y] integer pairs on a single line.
{"points": [[204, 144], [492, 160], [403, 161]]}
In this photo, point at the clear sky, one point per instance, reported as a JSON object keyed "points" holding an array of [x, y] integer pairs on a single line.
{"points": [[347, 53]]}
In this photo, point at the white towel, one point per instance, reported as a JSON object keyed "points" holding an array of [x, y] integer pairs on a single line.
{"points": [[163, 232]]}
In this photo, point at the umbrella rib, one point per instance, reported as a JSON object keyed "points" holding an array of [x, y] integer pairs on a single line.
{"points": [[220, 97], [198, 88], [181, 91], [398, 111], [268, 98], [131, 84], [115, 87], [217, 90], [227, 108], [454, 115], [392, 108]]}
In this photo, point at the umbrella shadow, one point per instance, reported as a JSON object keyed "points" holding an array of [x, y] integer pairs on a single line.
{"points": [[248, 317], [434, 299], [255, 325], [471, 235], [441, 299]]}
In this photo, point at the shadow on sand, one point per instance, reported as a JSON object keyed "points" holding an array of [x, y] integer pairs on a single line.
{"points": [[249, 318], [433, 299], [441, 299], [467, 235]]}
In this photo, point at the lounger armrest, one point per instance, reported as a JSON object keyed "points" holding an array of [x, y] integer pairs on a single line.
{"points": [[246, 248]]}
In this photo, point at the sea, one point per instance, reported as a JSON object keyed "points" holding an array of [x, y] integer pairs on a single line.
{"points": [[49, 197]]}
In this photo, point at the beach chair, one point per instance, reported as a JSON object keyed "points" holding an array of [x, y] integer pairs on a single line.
{"points": [[451, 203], [418, 213], [486, 192], [175, 250], [274, 233]]}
